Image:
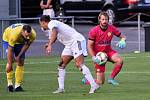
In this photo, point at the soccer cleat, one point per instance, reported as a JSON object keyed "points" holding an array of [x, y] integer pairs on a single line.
{"points": [[10, 88], [113, 82], [19, 89], [86, 82], [94, 88], [59, 91]]}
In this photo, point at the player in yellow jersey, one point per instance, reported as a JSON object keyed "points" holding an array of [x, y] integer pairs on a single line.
{"points": [[16, 41]]}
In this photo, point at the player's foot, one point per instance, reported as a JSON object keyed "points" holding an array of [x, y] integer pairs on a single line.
{"points": [[94, 88], [113, 82], [59, 91], [10, 88], [19, 89], [86, 82]]}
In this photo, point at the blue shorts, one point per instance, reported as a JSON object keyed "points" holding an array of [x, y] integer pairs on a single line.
{"points": [[16, 49]]}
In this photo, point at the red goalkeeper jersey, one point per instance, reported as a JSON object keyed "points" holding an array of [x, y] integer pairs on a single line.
{"points": [[102, 38]]}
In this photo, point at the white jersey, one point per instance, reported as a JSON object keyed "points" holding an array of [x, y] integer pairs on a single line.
{"points": [[66, 34]]}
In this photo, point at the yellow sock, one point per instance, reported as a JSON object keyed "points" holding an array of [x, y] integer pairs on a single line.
{"points": [[19, 75], [9, 78]]}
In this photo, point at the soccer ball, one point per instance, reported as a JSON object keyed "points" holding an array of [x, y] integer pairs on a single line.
{"points": [[102, 57]]}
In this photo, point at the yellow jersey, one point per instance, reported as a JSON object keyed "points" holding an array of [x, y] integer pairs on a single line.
{"points": [[12, 35]]}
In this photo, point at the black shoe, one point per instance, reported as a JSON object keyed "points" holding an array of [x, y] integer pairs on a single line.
{"points": [[19, 89], [10, 88]]}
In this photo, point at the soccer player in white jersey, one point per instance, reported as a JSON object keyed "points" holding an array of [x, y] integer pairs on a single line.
{"points": [[75, 48]]}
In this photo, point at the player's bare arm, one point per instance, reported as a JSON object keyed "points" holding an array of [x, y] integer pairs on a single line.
{"points": [[24, 49], [90, 47], [52, 40]]}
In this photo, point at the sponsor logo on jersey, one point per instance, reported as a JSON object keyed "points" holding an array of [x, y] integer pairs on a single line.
{"points": [[109, 33]]}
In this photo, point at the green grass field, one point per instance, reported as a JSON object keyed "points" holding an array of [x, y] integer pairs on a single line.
{"points": [[40, 80]]}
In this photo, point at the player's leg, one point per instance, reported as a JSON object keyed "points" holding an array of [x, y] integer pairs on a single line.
{"points": [[9, 72], [86, 72], [9, 79], [65, 59], [79, 61], [100, 79], [118, 63], [79, 51], [19, 68], [100, 74]]}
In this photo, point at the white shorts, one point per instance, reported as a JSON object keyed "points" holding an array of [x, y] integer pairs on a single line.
{"points": [[76, 49], [49, 12]]}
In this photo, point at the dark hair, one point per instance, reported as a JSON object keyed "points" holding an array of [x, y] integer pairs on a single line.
{"points": [[45, 18], [27, 28], [104, 13]]}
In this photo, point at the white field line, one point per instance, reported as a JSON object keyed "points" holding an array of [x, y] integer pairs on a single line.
{"points": [[71, 72], [31, 95], [46, 62], [35, 72], [131, 42]]}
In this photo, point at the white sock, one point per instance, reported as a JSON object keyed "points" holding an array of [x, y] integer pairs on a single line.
{"points": [[17, 85], [61, 77], [86, 72]]}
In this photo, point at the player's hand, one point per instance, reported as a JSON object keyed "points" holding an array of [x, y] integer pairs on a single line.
{"points": [[122, 43], [46, 45], [95, 59], [8, 68], [48, 49]]}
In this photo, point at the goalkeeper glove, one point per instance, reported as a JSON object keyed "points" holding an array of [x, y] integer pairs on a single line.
{"points": [[122, 43], [95, 59]]}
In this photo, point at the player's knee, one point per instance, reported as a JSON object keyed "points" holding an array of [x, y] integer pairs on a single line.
{"points": [[100, 70], [20, 63], [61, 65], [119, 60], [78, 64]]}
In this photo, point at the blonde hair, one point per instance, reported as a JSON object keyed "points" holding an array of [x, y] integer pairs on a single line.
{"points": [[104, 13]]}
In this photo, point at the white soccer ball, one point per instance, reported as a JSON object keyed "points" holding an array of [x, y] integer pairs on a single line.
{"points": [[102, 56]]}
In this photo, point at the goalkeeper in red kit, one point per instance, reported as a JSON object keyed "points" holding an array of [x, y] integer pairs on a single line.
{"points": [[99, 40]]}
